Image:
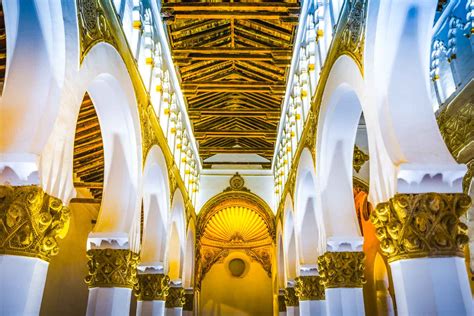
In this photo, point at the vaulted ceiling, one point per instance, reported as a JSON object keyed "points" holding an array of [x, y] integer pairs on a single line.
{"points": [[233, 59]]}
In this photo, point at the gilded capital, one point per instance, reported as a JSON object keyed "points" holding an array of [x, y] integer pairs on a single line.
{"points": [[290, 297], [112, 268], [189, 301], [422, 225], [31, 222], [175, 297], [309, 288], [342, 269], [153, 287], [281, 303]]}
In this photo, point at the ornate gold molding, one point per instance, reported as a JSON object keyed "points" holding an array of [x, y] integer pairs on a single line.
{"points": [[281, 303], [309, 288], [262, 256], [359, 159], [175, 297], [290, 297], [342, 269], [189, 302], [31, 222], [421, 225], [93, 25], [153, 287], [112, 268]]}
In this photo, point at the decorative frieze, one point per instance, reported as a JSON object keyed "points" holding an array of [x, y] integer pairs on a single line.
{"points": [[175, 297], [309, 288], [422, 225], [290, 297], [31, 222], [112, 268], [153, 287], [342, 269]]}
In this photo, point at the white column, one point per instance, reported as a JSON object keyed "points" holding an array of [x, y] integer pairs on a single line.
{"points": [[293, 311], [312, 308], [175, 311], [114, 301], [22, 281], [432, 286], [154, 308], [345, 301]]}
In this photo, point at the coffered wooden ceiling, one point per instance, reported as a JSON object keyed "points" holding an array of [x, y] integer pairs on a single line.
{"points": [[233, 59]]}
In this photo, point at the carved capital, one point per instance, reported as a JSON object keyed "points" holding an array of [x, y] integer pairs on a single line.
{"points": [[421, 225], [309, 288], [153, 287], [281, 303], [31, 222], [175, 297], [342, 269], [112, 268], [359, 159], [189, 301], [290, 297]]}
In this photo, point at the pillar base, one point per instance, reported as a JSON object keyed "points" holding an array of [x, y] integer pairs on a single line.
{"points": [[113, 301], [312, 308], [22, 281], [345, 301], [175, 311], [154, 308], [432, 286]]}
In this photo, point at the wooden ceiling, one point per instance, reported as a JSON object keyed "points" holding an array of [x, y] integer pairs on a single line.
{"points": [[3, 48], [233, 59]]}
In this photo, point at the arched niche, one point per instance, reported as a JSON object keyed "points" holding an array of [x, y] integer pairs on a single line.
{"points": [[176, 239], [156, 206]]}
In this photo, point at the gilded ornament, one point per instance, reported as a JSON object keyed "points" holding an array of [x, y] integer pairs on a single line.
{"points": [[342, 269], [290, 297], [263, 257], [281, 303], [152, 287], [112, 268], [422, 225], [309, 288], [175, 297], [148, 133], [31, 222], [351, 37], [189, 302], [359, 158]]}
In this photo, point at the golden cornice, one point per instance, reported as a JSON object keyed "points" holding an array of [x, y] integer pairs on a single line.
{"points": [[112, 268], [31, 222], [421, 225]]}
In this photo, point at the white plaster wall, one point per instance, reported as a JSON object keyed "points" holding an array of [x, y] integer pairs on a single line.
{"points": [[260, 183]]}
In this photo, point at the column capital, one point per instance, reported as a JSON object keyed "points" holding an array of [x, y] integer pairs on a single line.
{"points": [[309, 288], [290, 297], [281, 303], [175, 297], [189, 300], [422, 225], [152, 287], [342, 269], [112, 268], [31, 222]]}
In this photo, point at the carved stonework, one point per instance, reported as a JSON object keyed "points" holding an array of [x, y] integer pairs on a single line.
{"points": [[153, 287], [189, 302], [309, 288], [93, 25], [290, 297], [112, 268], [263, 257], [352, 35], [421, 225], [359, 158], [209, 257], [310, 138], [281, 303], [342, 269], [31, 222], [236, 183], [148, 133], [175, 297]]}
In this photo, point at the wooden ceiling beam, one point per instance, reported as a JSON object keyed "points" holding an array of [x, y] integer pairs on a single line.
{"points": [[171, 16], [269, 6], [269, 114], [212, 84], [233, 89], [278, 59], [268, 134], [227, 50], [236, 150]]}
